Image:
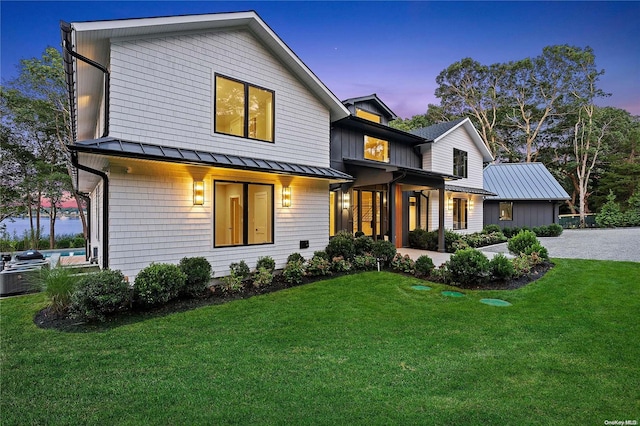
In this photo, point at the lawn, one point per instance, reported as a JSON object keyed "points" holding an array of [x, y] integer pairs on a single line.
{"points": [[360, 349]]}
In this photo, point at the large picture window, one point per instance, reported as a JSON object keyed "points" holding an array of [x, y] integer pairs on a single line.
{"points": [[460, 213], [376, 149], [243, 213], [460, 163], [243, 110]]}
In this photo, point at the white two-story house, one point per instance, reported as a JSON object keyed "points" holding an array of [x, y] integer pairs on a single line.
{"points": [[199, 135]]}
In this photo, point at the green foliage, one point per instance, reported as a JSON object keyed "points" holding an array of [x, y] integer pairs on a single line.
{"points": [[232, 282], [364, 262], [424, 265], [522, 265], [491, 228], [198, 273], [338, 264], [522, 241], [403, 263], [263, 277], [100, 294], [610, 216], [157, 284], [295, 257], [266, 262], [57, 283], [501, 267], [318, 265], [632, 215], [424, 240], [538, 249], [363, 244], [342, 244], [293, 272], [240, 269], [552, 230], [468, 267], [321, 253], [383, 250]]}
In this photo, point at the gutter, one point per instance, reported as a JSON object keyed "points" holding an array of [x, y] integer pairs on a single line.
{"points": [[68, 53], [105, 206]]}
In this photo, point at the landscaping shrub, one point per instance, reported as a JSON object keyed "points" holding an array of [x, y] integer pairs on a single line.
{"points": [[554, 230], [520, 242], [321, 253], [363, 244], [293, 272], [318, 265], [468, 266], [501, 267], [63, 243], [450, 238], [295, 256], [365, 262], [480, 239], [263, 277], [342, 244], [422, 239], [610, 215], [338, 264], [266, 262], [240, 269], [58, 284], [232, 282], [491, 228], [522, 265], [79, 241], [403, 263], [158, 283], [424, 265], [99, 294], [383, 250], [198, 273], [538, 249]]}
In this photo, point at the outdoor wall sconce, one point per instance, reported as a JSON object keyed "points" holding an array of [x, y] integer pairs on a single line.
{"points": [[198, 192], [286, 196], [450, 204], [345, 200], [470, 203]]}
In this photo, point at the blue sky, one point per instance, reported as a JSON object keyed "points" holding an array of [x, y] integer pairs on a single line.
{"points": [[394, 49]]}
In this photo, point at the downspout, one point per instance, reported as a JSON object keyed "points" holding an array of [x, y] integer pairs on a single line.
{"points": [[67, 43], [87, 200], [105, 206]]}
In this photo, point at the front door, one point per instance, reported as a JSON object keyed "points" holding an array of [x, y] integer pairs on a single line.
{"points": [[369, 214]]}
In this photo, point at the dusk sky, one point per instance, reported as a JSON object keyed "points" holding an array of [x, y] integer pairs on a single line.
{"points": [[394, 49]]}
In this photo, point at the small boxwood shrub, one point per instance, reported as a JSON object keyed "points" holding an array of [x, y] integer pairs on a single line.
{"points": [[422, 239], [467, 267], [491, 228], [364, 262], [266, 262], [293, 272], [538, 249], [501, 267], [100, 294], [318, 265], [158, 283], [403, 263], [295, 256], [321, 253], [363, 244], [383, 250], [520, 242], [342, 244], [198, 273], [424, 265], [240, 269], [263, 277]]}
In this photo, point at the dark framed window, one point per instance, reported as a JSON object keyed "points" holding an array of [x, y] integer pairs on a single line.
{"points": [[243, 213], [245, 110], [368, 115], [376, 149], [506, 211], [460, 163], [460, 211]]}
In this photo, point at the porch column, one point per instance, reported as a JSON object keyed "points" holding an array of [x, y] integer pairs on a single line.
{"points": [[441, 202]]}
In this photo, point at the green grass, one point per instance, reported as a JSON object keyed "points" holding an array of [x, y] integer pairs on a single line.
{"points": [[362, 349]]}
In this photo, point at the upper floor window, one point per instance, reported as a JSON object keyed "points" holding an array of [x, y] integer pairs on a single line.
{"points": [[244, 110], [368, 115], [460, 163], [376, 149]]}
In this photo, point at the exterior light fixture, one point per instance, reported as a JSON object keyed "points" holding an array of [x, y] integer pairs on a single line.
{"points": [[470, 203], [286, 196], [345, 200], [450, 204], [198, 192]]}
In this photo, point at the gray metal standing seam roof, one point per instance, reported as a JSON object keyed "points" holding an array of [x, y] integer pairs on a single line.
{"points": [[122, 148], [522, 181], [431, 133]]}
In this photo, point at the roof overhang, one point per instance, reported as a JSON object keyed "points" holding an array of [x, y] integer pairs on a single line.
{"points": [[112, 147], [380, 130], [468, 190], [92, 40], [405, 175]]}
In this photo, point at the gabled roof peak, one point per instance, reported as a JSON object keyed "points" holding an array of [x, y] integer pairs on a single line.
{"points": [[374, 98], [438, 131]]}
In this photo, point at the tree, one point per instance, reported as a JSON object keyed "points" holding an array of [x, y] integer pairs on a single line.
{"points": [[35, 120], [435, 114]]}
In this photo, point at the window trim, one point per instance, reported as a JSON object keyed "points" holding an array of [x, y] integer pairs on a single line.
{"points": [[245, 213], [246, 123], [364, 150], [370, 113], [457, 153]]}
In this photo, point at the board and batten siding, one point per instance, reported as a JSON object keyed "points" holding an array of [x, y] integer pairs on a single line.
{"points": [[441, 157], [153, 219], [162, 92]]}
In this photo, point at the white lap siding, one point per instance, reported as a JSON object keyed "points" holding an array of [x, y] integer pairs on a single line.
{"points": [[153, 219], [162, 92]]}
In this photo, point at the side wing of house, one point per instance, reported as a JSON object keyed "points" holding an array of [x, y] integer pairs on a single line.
{"points": [[217, 143]]}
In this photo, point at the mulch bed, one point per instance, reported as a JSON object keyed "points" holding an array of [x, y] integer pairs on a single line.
{"points": [[48, 319]]}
